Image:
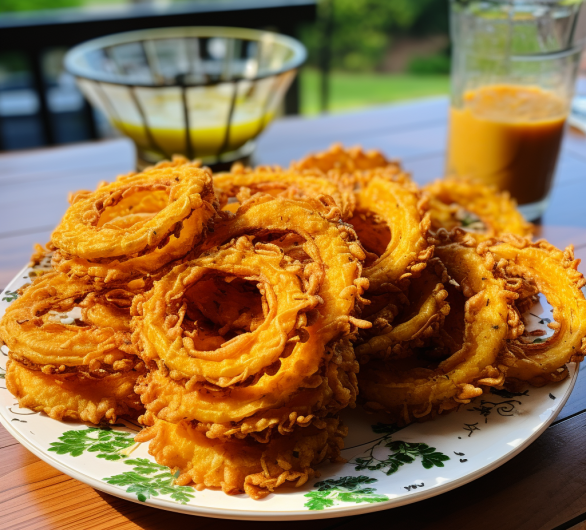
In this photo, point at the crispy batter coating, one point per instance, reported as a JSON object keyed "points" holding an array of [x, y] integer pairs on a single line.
{"points": [[414, 387], [325, 240], [71, 354], [401, 207], [555, 275], [278, 181], [345, 160], [257, 410], [417, 320], [452, 200], [328, 391], [243, 466], [390, 215], [163, 335], [71, 397], [135, 225], [38, 326], [288, 351]]}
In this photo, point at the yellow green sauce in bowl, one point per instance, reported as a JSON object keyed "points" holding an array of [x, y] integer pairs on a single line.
{"points": [[204, 92]]}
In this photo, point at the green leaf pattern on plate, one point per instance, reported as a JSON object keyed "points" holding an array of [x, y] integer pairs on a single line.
{"points": [[105, 441], [400, 453], [345, 489], [148, 479], [9, 296]]}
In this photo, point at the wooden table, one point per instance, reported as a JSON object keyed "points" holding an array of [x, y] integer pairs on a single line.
{"points": [[542, 488]]}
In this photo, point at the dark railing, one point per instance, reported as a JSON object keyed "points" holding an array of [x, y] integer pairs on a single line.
{"points": [[326, 22], [33, 33]]}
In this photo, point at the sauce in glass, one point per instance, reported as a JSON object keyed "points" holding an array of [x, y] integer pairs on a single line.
{"points": [[509, 136]]}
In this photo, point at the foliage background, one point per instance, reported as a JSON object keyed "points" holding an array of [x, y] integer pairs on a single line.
{"points": [[366, 34], [364, 30], [9, 6]]}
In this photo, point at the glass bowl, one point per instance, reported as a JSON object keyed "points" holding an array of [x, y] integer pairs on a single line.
{"points": [[204, 92]]}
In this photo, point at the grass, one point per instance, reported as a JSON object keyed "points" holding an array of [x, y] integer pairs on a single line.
{"points": [[354, 90]]}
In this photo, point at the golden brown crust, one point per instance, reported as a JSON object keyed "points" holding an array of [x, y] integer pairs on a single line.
{"points": [[342, 160], [37, 325], [554, 273], [421, 317], [452, 199], [135, 225], [74, 397], [278, 181], [246, 465], [410, 389], [246, 370]]}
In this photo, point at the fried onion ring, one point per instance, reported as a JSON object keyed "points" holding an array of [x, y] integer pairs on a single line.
{"points": [[275, 180], [73, 398], [555, 275], [328, 244], [400, 206], [135, 225], [243, 466], [414, 388], [345, 160], [496, 211], [36, 326], [163, 309]]}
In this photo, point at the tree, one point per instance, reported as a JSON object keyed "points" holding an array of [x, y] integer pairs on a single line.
{"points": [[8, 6], [363, 29]]}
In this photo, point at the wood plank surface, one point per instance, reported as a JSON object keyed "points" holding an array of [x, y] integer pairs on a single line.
{"points": [[542, 488], [16, 251]]}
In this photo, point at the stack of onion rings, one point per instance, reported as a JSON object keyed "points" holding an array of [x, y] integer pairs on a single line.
{"points": [[416, 386], [241, 313], [300, 347], [71, 354]]}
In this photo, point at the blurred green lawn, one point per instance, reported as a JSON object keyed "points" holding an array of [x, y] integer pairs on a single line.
{"points": [[355, 90]]}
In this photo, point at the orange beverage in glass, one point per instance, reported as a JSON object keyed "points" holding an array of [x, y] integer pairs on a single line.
{"points": [[514, 67], [510, 136]]}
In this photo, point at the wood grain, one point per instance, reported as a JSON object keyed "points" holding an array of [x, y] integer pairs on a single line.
{"points": [[34, 164]]}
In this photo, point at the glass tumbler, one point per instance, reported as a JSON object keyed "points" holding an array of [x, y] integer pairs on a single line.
{"points": [[514, 65]]}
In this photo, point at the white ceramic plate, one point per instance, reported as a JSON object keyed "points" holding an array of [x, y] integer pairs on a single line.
{"points": [[424, 459]]}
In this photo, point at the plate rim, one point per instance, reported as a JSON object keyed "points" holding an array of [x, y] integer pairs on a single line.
{"points": [[252, 515]]}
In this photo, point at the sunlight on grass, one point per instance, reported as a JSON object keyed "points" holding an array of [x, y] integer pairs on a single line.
{"points": [[354, 91]]}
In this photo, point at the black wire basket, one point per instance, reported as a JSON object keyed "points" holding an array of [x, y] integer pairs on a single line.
{"points": [[203, 92]]}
